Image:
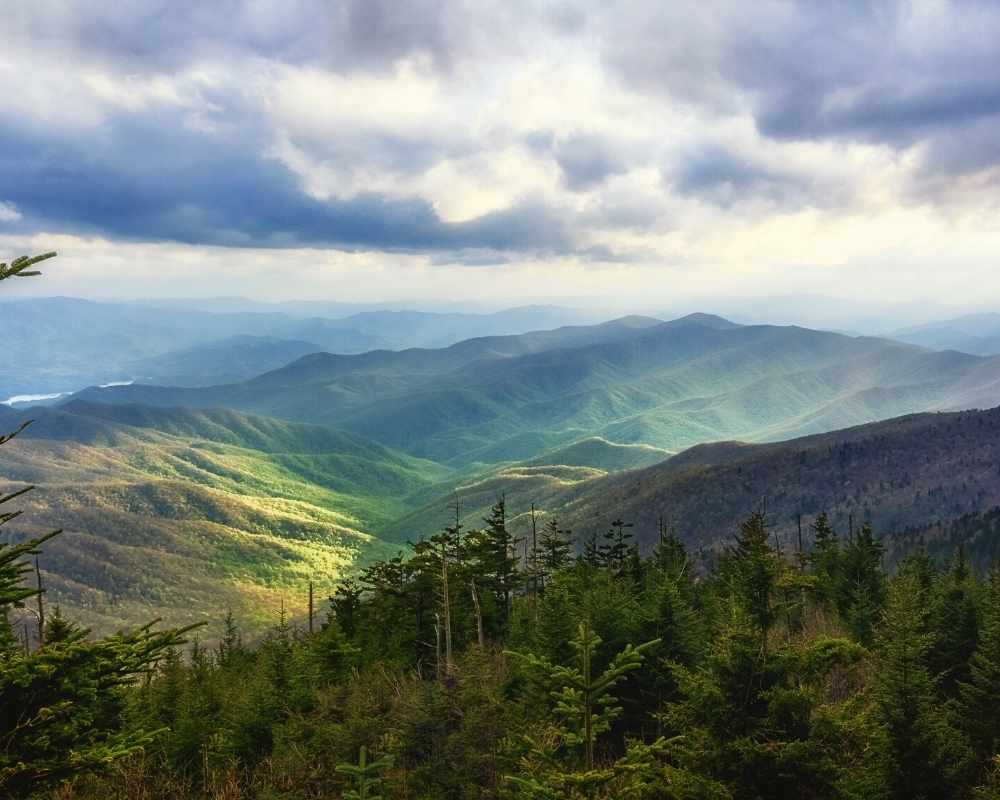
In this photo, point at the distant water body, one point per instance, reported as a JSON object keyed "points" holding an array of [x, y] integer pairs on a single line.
{"points": [[23, 399]]}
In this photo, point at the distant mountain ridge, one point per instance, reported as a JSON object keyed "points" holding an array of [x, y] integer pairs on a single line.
{"points": [[978, 334], [74, 342], [633, 380]]}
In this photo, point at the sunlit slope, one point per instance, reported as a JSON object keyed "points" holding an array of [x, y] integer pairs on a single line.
{"points": [[919, 472], [669, 385], [542, 480], [182, 514]]}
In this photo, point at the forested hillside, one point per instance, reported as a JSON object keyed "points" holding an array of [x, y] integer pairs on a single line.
{"points": [[178, 514], [669, 385], [913, 471], [460, 673]]}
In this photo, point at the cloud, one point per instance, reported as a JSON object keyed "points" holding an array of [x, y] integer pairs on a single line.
{"points": [[148, 178], [348, 36], [586, 161], [708, 139], [889, 72], [725, 178], [9, 212]]}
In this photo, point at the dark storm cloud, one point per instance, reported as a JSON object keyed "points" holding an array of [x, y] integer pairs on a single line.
{"points": [[873, 71], [149, 178], [345, 35], [726, 178], [881, 71]]}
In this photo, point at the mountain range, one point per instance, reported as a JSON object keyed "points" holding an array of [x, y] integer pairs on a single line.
{"points": [[66, 344], [634, 380], [182, 501], [973, 333]]}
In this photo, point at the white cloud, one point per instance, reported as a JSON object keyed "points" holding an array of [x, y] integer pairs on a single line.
{"points": [[9, 212]]}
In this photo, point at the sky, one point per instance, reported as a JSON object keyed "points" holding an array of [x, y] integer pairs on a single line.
{"points": [[638, 153]]}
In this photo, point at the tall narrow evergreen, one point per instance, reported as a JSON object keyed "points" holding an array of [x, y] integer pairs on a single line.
{"points": [[555, 548], [979, 694], [493, 551], [755, 568], [921, 755], [954, 623], [614, 551]]}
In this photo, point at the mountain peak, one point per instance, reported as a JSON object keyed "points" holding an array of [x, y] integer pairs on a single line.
{"points": [[705, 320]]}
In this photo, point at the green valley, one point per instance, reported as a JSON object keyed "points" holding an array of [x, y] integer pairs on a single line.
{"points": [[184, 514]]}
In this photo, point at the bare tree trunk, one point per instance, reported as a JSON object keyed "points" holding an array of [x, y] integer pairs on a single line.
{"points": [[479, 615], [437, 639], [446, 601], [41, 605], [588, 722], [310, 606]]}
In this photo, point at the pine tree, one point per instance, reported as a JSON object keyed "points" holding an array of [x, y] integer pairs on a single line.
{"points": [[555, 547], [670, 556], [345, 605], [755, 569], [614, 551], [231, 644], [492, 551], [366, 776], [582, 701], [954, 623], [862, 592], [922, 755], [979, 695], [825, 560]]}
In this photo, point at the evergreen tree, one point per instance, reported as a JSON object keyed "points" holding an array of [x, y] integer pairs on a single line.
{"points": [[345, 604], [670, 556], [582, 700], [754, 567], [921, 755], [954, 624], [555, 548], [614, 551], [492, 551], [825, 560], [365, 776], [979, 694], [862, 592]]}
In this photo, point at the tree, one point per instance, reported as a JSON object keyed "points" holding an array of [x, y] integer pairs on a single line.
{"points": [[366, 776], [825, 560], [492, 553], [755, 568], [979, 694], [921, 755], [862, 589], [345, 605], [670, 556], [555, 549], [954, 624], [617, 544], [583, 702]]}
